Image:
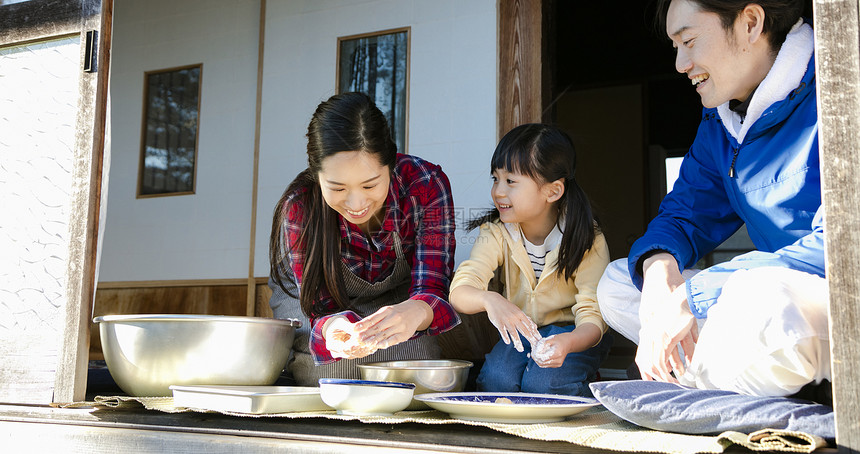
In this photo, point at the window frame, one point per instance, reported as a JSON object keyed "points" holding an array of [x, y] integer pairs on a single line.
{"points": [[391, 31], [143, 129]]}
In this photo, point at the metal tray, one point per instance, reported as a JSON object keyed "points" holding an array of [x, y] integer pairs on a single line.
{"points": [[249, 399]]}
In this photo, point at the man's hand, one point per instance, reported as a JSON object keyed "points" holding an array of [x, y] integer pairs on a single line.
{"points": [[667, 322]]}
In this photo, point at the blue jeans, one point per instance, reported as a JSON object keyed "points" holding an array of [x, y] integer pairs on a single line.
{"points": [[507, 370]]}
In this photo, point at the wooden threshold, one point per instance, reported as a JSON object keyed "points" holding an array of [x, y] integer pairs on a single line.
{"points": [[45, 429]]}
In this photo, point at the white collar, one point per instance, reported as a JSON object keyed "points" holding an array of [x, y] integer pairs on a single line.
{"points": [[550, 242], [784, 76]]}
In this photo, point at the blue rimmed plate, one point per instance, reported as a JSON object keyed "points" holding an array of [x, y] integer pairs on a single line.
{"points": [[514, 408]]}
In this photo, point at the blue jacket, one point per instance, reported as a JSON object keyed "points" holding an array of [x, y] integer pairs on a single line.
{"points": [[771, 182]]}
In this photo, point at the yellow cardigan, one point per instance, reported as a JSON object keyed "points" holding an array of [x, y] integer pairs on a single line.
{"points": [[550, 299]]}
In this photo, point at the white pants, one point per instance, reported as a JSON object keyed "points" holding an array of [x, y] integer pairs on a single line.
{"points": [[767, 334]]}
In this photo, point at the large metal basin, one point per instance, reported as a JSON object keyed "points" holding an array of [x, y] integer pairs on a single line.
{"points": [[145, 354]]}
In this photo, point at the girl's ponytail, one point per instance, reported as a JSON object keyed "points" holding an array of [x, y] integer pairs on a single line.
{"points": [[578, 230]]}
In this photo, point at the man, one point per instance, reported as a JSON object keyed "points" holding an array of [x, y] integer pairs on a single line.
{"points": [[758, 324]]}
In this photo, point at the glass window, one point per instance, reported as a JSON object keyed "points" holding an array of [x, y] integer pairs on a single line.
{"points": [[170, 124], [378, 64]]}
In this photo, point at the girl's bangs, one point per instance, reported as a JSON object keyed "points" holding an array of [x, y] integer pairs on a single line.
{"points": [[515, 159]]}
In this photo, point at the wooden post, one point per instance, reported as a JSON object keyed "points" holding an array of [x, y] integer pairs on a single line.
{"points": [[524, 82], [837, 53], [251, 300]]}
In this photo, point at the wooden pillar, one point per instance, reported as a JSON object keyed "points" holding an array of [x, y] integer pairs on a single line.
{"points": [[837, 51], [524, 81]]}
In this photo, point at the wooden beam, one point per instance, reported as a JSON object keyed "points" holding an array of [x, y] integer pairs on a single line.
{"points": [[37, 20], [837, 48], [523, 88]]}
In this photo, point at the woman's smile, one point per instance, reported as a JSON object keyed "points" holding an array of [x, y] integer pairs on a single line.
{"points": [[357, 214]]}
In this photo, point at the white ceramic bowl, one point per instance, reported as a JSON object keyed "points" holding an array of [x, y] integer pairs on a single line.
{"points": [[365, 397]]}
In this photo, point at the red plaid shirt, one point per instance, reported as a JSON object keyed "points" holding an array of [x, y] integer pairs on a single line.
{"points": [[419, 207]]}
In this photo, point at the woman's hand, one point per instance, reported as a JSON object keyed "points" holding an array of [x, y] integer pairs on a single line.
{"points": [[342, 340], [394, 324], [510, 320], [667, 322]]}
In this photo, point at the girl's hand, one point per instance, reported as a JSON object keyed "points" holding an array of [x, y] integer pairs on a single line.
{"points": [[549, 351], [392, 325], [510, 320]]}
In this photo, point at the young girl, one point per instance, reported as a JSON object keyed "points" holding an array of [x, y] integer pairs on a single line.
{"points": [[362, 247], [544, 238]]}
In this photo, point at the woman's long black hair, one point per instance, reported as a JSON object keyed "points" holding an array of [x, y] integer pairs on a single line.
{"points": [[545, 154], [345, 122]]}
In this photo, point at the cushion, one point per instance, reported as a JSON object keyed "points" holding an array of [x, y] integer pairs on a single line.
{"points": [[675, 408]]}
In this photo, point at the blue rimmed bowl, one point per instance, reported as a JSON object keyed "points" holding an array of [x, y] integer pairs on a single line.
{"points": [[365, 397]]}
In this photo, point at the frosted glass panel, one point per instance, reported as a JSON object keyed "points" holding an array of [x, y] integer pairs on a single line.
{"points": [[37, 144]]}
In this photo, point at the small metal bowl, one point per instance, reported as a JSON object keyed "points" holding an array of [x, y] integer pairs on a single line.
{"points": [[145, 354], [428, 375]]}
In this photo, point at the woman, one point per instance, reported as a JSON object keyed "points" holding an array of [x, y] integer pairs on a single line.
{"points": [[754, 161], [364, 239]]}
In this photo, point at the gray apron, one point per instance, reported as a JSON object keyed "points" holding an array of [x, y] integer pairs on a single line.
{"points": [[365, 299]]}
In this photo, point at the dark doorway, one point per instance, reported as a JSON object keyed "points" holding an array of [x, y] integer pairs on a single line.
{"points": [[617, 93]]}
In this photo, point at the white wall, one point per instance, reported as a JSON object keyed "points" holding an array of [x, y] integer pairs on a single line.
{"points": [[200, 236], [452, 90], [452, 114]]}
